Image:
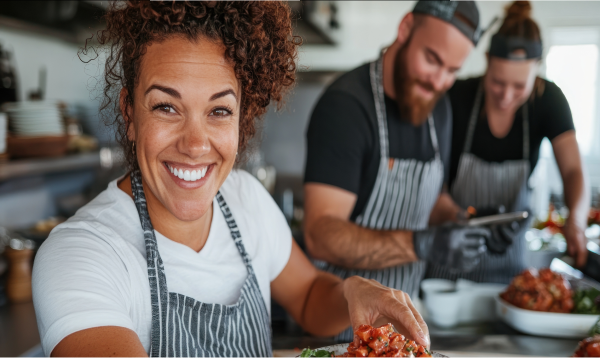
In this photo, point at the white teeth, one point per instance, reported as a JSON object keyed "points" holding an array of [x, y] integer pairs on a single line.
{"points": [[188, 175]]}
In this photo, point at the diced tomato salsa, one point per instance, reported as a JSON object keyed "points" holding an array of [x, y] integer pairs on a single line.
{"points": [[383, 342]]}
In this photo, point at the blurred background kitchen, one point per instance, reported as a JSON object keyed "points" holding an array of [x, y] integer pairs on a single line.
{"points": [[56, 153]]}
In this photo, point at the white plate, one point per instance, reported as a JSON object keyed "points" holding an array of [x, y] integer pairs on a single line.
{"points": [[548, 324], [343, 348]]}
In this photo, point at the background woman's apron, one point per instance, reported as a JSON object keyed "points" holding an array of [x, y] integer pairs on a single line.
{"points": [[182, 326], [404, 193], [484, 184]]}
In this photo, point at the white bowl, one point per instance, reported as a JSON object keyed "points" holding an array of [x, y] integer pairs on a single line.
{"points": [[548, 324], [339, 349]]}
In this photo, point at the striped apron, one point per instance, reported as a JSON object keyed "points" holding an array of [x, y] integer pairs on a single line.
{"points": [[182, 326], [484, 184], [403, 196]]}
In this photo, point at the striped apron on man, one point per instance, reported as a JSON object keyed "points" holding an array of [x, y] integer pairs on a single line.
{"points": [[402, 198], [484, 184], [183, 326]]}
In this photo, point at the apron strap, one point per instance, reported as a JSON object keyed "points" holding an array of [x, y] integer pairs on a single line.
{"points": [[235, 232], [525, 131], [475, 115], [473, 118], [433, 135], [376, 74]]}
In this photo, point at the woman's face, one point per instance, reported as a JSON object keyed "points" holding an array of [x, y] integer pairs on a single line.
{"points": [[509, 83], [185, 123]]}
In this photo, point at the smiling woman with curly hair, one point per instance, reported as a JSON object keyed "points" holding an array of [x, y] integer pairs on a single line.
{"points": [[182, 255]]}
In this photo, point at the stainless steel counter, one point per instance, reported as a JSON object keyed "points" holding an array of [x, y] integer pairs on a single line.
{"points": [[490, 339], [19, 336]]}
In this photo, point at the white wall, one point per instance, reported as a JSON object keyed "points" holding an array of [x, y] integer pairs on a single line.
{"points": [[68, 79], [368, 26]]}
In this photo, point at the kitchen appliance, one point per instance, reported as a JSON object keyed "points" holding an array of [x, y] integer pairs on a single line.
{"points": [[8, 78]]}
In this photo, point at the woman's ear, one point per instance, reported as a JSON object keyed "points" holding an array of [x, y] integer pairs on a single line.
{"points": [[126, 112]]}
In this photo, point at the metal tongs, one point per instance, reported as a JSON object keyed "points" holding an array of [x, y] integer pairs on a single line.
{"points": [[574, 276]]}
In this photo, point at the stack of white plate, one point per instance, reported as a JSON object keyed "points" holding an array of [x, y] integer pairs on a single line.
{"points": [[39, 118]]}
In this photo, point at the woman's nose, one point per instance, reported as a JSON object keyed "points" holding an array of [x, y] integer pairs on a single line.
{"points": [[194, 139]]}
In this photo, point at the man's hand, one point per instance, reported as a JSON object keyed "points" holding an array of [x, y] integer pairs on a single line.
{"points": [[369, 302], [576, 242], [457, 247]]}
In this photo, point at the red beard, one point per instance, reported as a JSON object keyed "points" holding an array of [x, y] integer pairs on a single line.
{"points": [[412, 107]]}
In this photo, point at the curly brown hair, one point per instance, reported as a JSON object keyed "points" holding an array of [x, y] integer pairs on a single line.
{"points": [[257, 36]]}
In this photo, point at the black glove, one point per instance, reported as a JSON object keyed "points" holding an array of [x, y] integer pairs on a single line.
{"points": [[502, 235], [459, 248]]}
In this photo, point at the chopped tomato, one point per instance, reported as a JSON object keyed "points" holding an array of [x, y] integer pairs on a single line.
{"points": [[383, 342], [593, 350]]}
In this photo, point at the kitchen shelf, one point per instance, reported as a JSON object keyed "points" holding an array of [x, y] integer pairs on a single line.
{"points": [[105, 158]]}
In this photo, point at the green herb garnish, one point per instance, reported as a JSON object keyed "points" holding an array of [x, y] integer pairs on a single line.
{"points": [[585, 301], [307, 352]]}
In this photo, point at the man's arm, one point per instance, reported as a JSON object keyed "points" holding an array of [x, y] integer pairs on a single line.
{"points": [[576, 193], [331, 237]]}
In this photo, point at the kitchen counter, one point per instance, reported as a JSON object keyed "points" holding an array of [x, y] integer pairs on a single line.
{"points": [[488, 339], [19, 336], [18, 330]]}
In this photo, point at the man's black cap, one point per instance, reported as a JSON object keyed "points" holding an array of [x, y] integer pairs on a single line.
{"points": [[464, 15]]}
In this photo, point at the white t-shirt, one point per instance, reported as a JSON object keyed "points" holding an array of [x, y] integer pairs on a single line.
{"points": [[92, 270]]}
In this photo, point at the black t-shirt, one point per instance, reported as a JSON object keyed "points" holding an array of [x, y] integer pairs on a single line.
{"points": [[549, 116], [343, 139]]}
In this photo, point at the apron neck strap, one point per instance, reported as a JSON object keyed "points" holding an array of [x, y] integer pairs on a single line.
{"points": [[475, 115], [376, 74], [235, 232], [150, 238]]}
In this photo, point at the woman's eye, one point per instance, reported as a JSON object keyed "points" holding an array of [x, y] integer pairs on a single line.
{"points": [[220, 112], [165, 108]]}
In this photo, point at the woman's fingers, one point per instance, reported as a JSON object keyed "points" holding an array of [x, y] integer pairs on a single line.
{"points": [[398, 309], [416, 313], [369, 300]]}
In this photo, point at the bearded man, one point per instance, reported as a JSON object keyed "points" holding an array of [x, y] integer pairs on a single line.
{"points": [[379, 153]]}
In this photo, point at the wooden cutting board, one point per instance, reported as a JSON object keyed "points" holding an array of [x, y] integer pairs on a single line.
{"points": [[291, 353]]}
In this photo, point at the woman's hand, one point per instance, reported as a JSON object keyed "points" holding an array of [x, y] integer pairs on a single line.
{"points": [[576, 242], [369, 302]]}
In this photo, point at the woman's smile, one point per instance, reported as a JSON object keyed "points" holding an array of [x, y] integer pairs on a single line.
{"points": [[189, 176]]}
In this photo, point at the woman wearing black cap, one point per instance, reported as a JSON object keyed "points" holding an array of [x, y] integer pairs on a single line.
{"points": [[500, 120]]}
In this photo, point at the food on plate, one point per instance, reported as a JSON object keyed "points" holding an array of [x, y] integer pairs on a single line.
{"points": [[587, 301], [383, 342], [589, 347], [307, 352], [542, 290]]}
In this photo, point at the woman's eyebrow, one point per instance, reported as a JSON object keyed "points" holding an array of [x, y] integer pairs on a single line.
{"points": [[223, 94], [168, 90]]}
